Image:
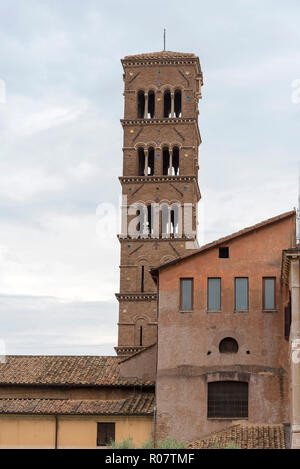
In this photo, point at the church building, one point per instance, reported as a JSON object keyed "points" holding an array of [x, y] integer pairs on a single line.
{"points": [[208, 336]]}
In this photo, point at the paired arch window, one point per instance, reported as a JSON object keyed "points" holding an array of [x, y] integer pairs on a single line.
{"points": [[146, 162], [172, 104], [146, 104], [171, 217], [159, 221], [141, 104], [177, 103], [227, 399], [171, 161]]}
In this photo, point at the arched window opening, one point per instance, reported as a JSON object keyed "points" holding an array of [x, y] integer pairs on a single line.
{"points": [[141, 336], [141, 158], [141, 104], [139, 332], [177, 103], [142, 278], [151, 104], [175, 161], [228, 345], [140, 213], [167, 103], [166, 161], [151, 162], [165, 221], [227, 399], [149, 219], [174, 219]]}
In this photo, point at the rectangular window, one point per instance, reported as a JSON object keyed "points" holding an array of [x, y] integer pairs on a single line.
{"points": [[268, 293], [224, 253], [214, 294], [241, 294], [227, 399], [186, 294], [105, 433]]}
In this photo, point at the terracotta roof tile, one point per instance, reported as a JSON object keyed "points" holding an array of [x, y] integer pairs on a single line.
{"points": [[161, 54], [139, 404], [64, 370], [244, 437]]}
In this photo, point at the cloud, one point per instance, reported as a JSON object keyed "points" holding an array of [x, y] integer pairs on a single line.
{"points": [[49, 326], [61, 145]]}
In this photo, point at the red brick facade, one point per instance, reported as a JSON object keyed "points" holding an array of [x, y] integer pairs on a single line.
{"points": [[153, 134], [188, 342]]}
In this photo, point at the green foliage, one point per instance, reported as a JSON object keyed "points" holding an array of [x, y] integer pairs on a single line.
{"points": [[149, 444], [124, 444], [171, 443]]}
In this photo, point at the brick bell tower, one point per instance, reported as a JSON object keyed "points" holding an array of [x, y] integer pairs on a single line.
{"points": [[160, 189]]}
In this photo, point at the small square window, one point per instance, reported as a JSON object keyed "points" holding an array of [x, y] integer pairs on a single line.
{"points": [[224, 253], [105, 433]]}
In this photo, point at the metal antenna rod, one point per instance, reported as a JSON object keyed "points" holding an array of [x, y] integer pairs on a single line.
{"points": [[164, 39]]}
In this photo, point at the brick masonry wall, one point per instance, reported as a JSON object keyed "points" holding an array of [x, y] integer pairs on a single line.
{"points": [[156, 133], [188, 343]]}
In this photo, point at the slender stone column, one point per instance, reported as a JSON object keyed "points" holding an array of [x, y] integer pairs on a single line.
{"points": [[146, 162], [169, 222], [145, 218], [146, 106], [172, 104], [170, 161]]}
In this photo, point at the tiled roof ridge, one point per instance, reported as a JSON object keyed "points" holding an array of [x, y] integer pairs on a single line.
{"points": [[160, 54], [62, 356], [67, 370], [141, 403], [229, 237], [244, 435]]}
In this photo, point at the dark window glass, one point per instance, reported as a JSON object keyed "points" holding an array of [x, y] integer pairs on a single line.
{"points": [[228, 345], [105, 433], [227, 399], [241, 294], [224, 253], [269, 293], [214, 294], [186, 294]]}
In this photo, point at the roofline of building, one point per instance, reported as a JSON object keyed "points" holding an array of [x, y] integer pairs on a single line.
{"points": [[78, 385], [138, 352], [154, 272], [157, 58]]}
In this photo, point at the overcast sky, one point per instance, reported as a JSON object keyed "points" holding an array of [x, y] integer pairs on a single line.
{"points": [[61, 145]]}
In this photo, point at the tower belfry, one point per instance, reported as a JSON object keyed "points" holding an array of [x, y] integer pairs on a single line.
{"points": [[159, 183]]}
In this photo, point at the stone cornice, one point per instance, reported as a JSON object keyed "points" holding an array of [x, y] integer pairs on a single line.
{"points": [[161, 179], [164, 121], [155, 240], [149, 61], [139, 179], [136, 296], [128, 350], [167, 120]]}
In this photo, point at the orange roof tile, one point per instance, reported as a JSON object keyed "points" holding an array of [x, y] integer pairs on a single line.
{"points": [[244, 437], [139, 404], [64, 370]]}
